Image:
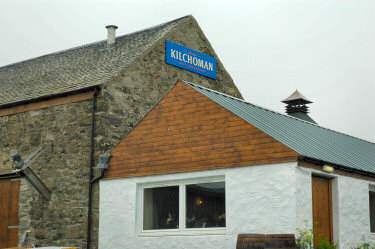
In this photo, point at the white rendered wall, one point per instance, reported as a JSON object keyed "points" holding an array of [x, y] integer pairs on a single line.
{"points": [[353, 215], [259, 199], [304, 198]]}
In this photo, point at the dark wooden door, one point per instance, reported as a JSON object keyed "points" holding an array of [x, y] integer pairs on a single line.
{"points": [[322, 209], [9, 193]]}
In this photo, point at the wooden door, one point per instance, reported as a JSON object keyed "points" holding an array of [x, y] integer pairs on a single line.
{"points": [[9, 193], [322, 209]]}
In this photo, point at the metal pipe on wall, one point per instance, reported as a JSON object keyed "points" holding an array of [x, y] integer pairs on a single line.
{"points": [[94, 96]]}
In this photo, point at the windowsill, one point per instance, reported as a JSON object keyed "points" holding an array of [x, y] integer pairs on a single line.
{"points": [[185, 232]]}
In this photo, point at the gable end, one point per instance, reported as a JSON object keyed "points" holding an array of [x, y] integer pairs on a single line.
{"points": [[186, 131]]}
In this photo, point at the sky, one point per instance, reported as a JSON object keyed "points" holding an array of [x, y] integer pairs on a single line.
{"points": [[325, 49]]}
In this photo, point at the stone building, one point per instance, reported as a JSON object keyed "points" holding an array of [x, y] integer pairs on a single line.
{"points": [[77, 99]]}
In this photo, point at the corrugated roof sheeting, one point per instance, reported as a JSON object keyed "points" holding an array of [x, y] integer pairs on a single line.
{"points": [[305, 138]]}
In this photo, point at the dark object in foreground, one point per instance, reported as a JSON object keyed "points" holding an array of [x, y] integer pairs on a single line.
{"points": [[263, 241]]}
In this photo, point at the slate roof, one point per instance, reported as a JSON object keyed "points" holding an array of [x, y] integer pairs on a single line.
{"points": [[77, 68], [307, 139]]}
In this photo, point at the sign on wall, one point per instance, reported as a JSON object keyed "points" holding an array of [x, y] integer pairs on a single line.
{"points": [[189, 59]]}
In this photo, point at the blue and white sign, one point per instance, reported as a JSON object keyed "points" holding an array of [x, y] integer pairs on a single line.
{"points": [[189, 59]]}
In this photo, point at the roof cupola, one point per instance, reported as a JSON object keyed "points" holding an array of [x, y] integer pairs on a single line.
{"points": [[297, 106]]}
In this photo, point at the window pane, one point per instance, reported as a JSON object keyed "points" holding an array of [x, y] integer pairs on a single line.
{"points": [[160, 208], [205, 205], [372, 212]]}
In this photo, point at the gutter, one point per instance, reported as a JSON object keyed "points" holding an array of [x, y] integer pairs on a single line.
{"points": [[94, 96], [336, 166]]}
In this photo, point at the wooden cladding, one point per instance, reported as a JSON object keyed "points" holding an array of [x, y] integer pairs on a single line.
{"points": [[186, 131], [9, 194], [48, 103]]}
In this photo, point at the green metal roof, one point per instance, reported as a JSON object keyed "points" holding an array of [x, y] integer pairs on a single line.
{"points": [[307, 139]]}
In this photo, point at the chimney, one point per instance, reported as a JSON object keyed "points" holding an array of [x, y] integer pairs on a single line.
{"points": [[111, 37], [296, 106]]}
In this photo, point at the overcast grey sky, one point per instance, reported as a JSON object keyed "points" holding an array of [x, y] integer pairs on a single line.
{"points": [[325, 49]]}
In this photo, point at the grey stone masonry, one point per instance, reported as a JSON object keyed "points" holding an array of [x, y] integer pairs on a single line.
{"points": [[64, 170]]}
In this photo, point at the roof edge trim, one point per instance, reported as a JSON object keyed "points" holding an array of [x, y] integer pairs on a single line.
{"points": [[336, 166]]}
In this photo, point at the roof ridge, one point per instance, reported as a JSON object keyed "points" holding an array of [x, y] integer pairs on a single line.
{"points": [[155, 26], [268, 109], [53, 53], [93, 43]]}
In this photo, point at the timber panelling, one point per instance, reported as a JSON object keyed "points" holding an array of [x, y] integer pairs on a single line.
{"points": [[186, 131], [9, 195]]}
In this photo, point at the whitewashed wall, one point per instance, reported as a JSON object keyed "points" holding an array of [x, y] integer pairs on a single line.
{"points": [[303, 198], [259, 199], [353, 211], [273, 198]]}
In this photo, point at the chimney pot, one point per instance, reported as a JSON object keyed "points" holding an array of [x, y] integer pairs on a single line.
{"points": [[111, 34]]}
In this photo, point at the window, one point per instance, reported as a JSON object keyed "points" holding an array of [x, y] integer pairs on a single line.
{"points": [[205, 205], [161, 207], [372, 211], [183, 206]]}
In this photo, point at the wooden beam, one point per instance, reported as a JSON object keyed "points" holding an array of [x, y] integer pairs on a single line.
{"points": [[48, 103]]}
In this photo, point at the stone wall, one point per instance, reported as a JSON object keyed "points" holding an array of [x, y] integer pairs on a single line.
{"points": [[65, 170]]}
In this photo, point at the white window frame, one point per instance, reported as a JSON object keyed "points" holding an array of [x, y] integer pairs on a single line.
{"points": [[181, 230]]}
